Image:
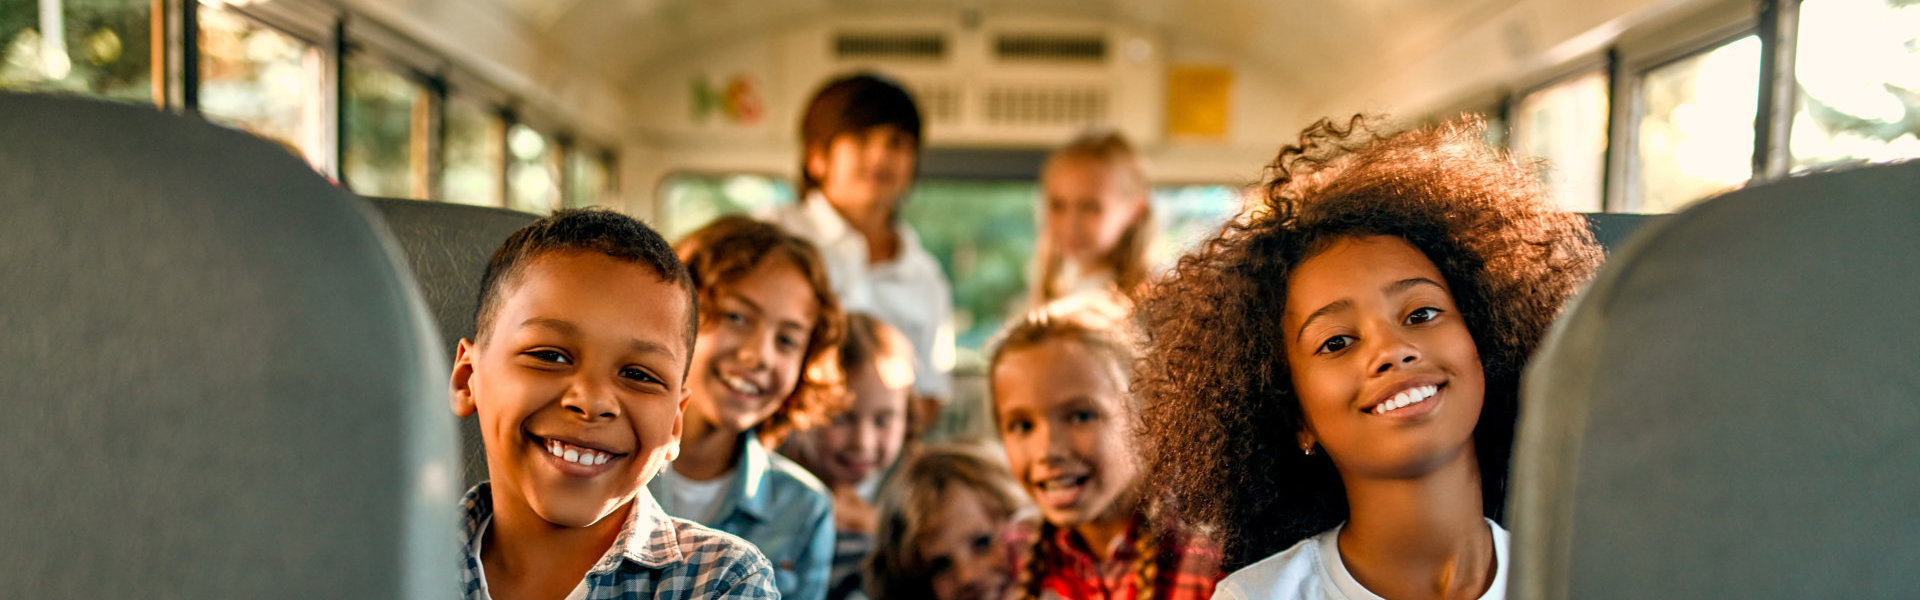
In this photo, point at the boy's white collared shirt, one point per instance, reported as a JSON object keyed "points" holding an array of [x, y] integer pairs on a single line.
{"points": [[909, 292]]}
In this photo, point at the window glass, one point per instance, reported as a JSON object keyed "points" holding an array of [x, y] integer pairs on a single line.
{"points": [[384, 112], [472, 165], [1858, 65], [1566, 124], [690, 200], [586, 178], [983, 233], [531, 182], [99, 48], [1188, 215], [1696, 129], [260, 80]]}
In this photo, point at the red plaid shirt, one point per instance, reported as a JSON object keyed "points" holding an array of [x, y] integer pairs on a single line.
{"points": [[1189, 567]]}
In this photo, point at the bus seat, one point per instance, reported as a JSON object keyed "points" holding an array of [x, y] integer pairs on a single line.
{"points": [[1611, 229], [448, 246], [217, 381], [1730, 411]]}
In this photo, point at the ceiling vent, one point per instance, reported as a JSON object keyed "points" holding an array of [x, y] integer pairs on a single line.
{"points": [[1029, 105], [938, 100], [904, 46], [1050, 47]]}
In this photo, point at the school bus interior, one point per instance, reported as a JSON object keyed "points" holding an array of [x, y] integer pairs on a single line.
{"points": [[242, 237]]}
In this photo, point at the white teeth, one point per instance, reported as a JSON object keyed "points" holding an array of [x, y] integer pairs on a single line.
{"points": [[741, 385], [575, 455], [1405, 398]]}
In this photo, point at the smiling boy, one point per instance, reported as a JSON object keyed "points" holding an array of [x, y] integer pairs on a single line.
{"points": [[586, 326]]}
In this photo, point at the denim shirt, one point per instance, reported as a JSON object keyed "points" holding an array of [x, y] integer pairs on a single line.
{"points": [[780, 507]]}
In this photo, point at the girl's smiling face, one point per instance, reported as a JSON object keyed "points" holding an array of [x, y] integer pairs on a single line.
{"points": [[867, 436], [1064, 419], [753, 341], [1387, 374], [963, 558], [1088, 206]]}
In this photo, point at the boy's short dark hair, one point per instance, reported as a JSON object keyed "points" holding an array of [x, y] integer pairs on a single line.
{"points": [[583, 230], [852, 104]]}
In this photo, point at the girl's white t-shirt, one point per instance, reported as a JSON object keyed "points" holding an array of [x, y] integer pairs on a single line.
{"points": [[1312, 570]]}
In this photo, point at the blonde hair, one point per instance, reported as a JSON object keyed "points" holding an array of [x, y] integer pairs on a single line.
{"points": [[918, 492], [1128, 258]]}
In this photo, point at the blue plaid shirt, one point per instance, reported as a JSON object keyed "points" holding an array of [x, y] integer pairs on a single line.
{"points": [[654, 557]]}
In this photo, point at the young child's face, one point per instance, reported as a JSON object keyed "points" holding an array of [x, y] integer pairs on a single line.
{"points": [[578, 384], [1371, 325], [867, 436], [1088, 208], [1064, 421], [872, 167], [752, 346], [962, 556]]}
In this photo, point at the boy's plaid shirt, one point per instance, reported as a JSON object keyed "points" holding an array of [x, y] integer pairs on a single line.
{"points": [[654, 557]]}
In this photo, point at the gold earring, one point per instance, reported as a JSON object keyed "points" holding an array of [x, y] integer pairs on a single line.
{"points": [[1307, 450]]}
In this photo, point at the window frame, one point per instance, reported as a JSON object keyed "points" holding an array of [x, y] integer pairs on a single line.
{"points": [[342, 34]]}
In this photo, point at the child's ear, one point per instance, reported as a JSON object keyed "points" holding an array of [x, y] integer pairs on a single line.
{"points": [[1306, 441], [462, 384], [679, 421], [816, 163]]}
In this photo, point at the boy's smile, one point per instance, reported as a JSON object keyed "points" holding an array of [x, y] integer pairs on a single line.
{"points": [[577, 386]]}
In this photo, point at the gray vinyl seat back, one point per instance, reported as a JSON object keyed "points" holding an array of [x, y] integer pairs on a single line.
{"points": [[1732, 409], [218, 381], [448, 246]]}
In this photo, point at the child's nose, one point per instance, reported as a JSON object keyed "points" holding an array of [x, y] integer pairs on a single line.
{"points": [[1395, 352], [590, 400]]}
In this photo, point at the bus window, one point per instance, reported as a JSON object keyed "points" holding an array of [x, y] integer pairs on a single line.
{"points": [[1696, 132], [101, 48], [587, 177], [1566, 124], [1858, 66], [983, 232], [689, 200], [472, 156], [1188, 215], [263, 81], [531, 185], [385, 123]]}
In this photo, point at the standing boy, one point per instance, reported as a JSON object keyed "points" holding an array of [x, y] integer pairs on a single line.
{"points": [[586, 326]]}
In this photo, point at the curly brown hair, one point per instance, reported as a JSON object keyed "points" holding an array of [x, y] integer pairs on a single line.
{"points": [[726, 250], [1220, 411]]}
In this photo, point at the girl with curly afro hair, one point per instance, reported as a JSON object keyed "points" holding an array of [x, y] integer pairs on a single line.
{"points": [[1331, 384]]}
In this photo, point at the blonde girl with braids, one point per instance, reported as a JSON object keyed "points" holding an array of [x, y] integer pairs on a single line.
{"points": [[1060, 401], [1096, 223]]}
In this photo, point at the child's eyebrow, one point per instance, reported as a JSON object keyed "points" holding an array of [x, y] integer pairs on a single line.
{"points": [[1410, 283], [1335, 306], [556, 325]]}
